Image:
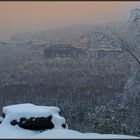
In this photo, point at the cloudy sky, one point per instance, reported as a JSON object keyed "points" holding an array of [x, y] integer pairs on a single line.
{"points": [[35, 16]]}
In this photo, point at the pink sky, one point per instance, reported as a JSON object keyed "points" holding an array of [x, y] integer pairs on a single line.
{"points": [[34, 16]]}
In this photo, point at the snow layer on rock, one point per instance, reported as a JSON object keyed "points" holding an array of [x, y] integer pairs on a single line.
{"points": [[58, 121], [1, 119], [17, 132], [62, 133], [9, 131], [28, 110]]}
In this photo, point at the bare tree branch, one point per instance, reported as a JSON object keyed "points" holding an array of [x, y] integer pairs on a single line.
{"points": [[126, 47]]}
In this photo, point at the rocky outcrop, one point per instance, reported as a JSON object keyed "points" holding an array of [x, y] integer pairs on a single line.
{"points": [[32, 117], [41, 123]]}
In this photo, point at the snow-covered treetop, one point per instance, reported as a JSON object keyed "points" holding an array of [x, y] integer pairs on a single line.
{"points": [[135, 15], [134, 21], [103, 40]]}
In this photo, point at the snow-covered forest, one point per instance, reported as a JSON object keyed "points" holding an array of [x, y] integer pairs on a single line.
{"points": [[92, 73]]}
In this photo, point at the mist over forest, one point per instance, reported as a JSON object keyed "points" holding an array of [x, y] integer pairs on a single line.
{"points": [[91, 72]]}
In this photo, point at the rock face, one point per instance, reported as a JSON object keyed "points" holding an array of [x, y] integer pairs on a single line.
{"points": [[32, 117], [41, 123]]}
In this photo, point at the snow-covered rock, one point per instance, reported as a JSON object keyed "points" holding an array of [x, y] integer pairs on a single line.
{"points": [[33, 117]]}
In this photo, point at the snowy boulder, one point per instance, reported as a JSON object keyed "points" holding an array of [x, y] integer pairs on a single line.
{"points": [[33, 117]]}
